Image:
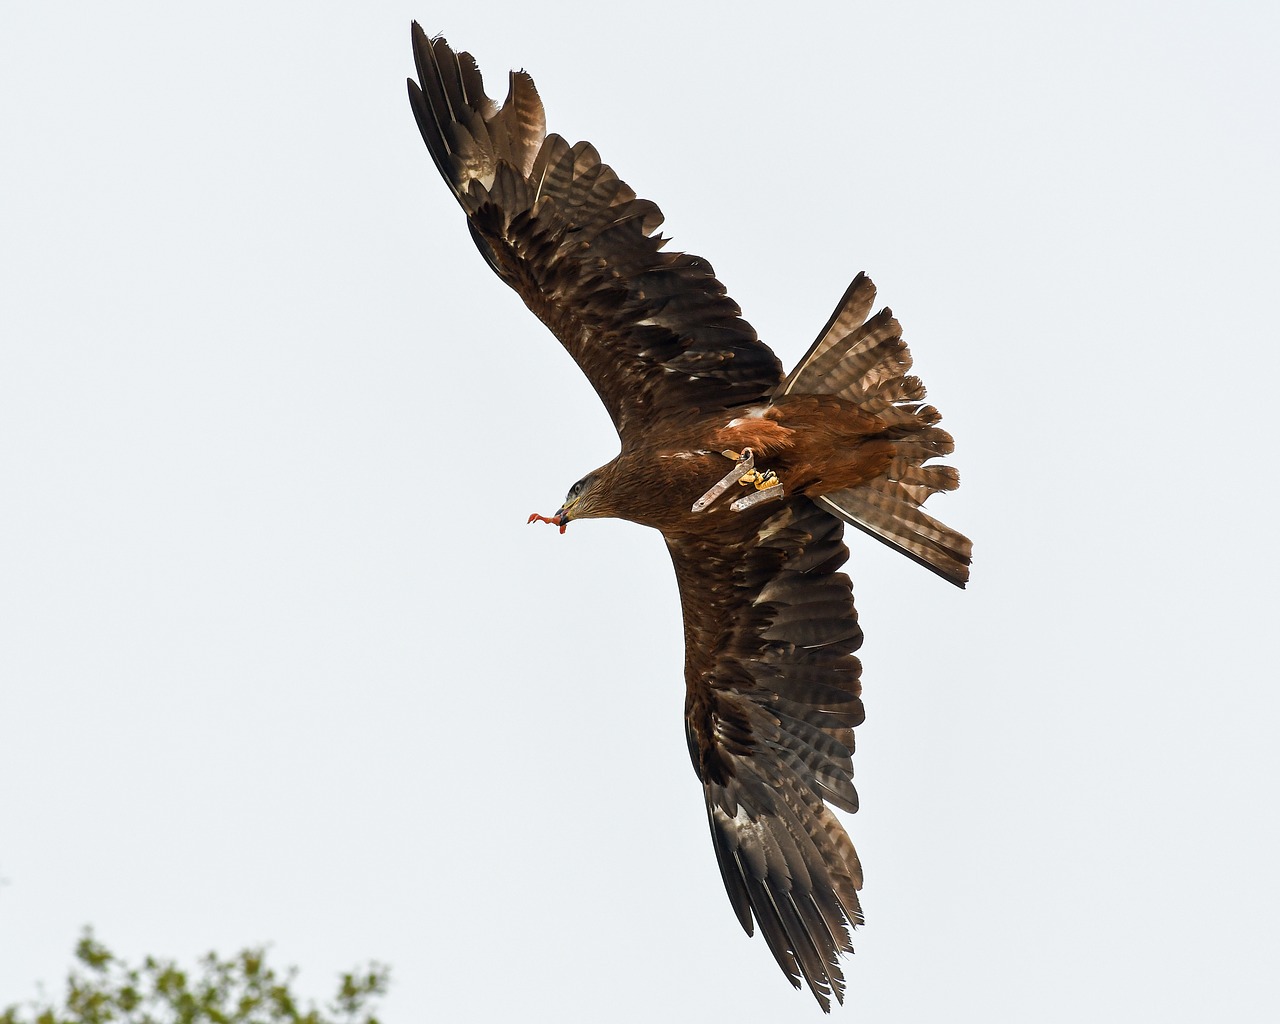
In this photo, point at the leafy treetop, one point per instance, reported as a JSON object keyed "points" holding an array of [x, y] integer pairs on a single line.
{"points": [[243, 989]]}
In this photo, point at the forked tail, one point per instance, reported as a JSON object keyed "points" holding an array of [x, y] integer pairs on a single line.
{"points": [[865, 361]]}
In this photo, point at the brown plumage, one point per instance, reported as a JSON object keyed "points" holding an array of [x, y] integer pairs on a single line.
{"points": [[772, 684]]}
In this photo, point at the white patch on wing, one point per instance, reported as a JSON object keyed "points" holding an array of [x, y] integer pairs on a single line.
{"points": [[684, 455], [744, 826], [754, 413]]}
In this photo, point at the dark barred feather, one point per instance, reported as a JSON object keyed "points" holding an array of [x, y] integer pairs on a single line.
{"points": [[653, 331], [773, 693]]}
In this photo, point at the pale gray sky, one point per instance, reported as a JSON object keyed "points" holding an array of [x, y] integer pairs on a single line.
{"points": [[281, 661]]}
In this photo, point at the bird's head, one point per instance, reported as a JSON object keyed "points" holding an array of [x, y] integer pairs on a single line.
{"points": [[582, 502]]}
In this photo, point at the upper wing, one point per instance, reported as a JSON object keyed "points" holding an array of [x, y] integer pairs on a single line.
{"points": [[772, 698], [652, 331]]}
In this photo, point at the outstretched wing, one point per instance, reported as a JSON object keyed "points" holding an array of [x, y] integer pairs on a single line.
{"points": [[653, 331], [772, 698]]}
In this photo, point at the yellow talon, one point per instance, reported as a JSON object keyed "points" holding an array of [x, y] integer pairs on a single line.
{"points": [[762, 480]]}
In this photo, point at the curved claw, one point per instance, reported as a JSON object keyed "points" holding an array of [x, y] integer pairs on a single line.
{"points": [[555, 520]]}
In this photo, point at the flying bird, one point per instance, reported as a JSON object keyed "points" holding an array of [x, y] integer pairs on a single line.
{"points": [[749, 473]]}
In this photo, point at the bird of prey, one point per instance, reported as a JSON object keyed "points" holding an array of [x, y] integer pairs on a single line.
{"points": [[749, 473]]}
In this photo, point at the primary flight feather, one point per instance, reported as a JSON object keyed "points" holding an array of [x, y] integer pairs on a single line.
{"points": [[748, 474]]}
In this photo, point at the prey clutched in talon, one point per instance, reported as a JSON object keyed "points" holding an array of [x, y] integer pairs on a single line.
{"points": [[767, 484]]}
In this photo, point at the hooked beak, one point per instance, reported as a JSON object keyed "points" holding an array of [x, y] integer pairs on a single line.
{"points": [[560, 519]]}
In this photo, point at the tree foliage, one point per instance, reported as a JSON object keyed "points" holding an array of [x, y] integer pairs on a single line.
{"points": [[244, 989]]}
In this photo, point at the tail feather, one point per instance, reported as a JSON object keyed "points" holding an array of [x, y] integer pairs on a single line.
{"points": [[865, 362], [849, 315], [890, 513]]}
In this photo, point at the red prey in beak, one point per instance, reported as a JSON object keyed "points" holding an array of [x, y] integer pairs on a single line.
{"points": [[559, 519]]}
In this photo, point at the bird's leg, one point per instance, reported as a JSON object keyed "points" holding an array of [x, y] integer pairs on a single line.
{"points": [[768, 486], [555, 520], [744, 464]]}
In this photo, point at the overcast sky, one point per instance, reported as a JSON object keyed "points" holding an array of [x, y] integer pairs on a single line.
{"points": [[281, 662]]}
